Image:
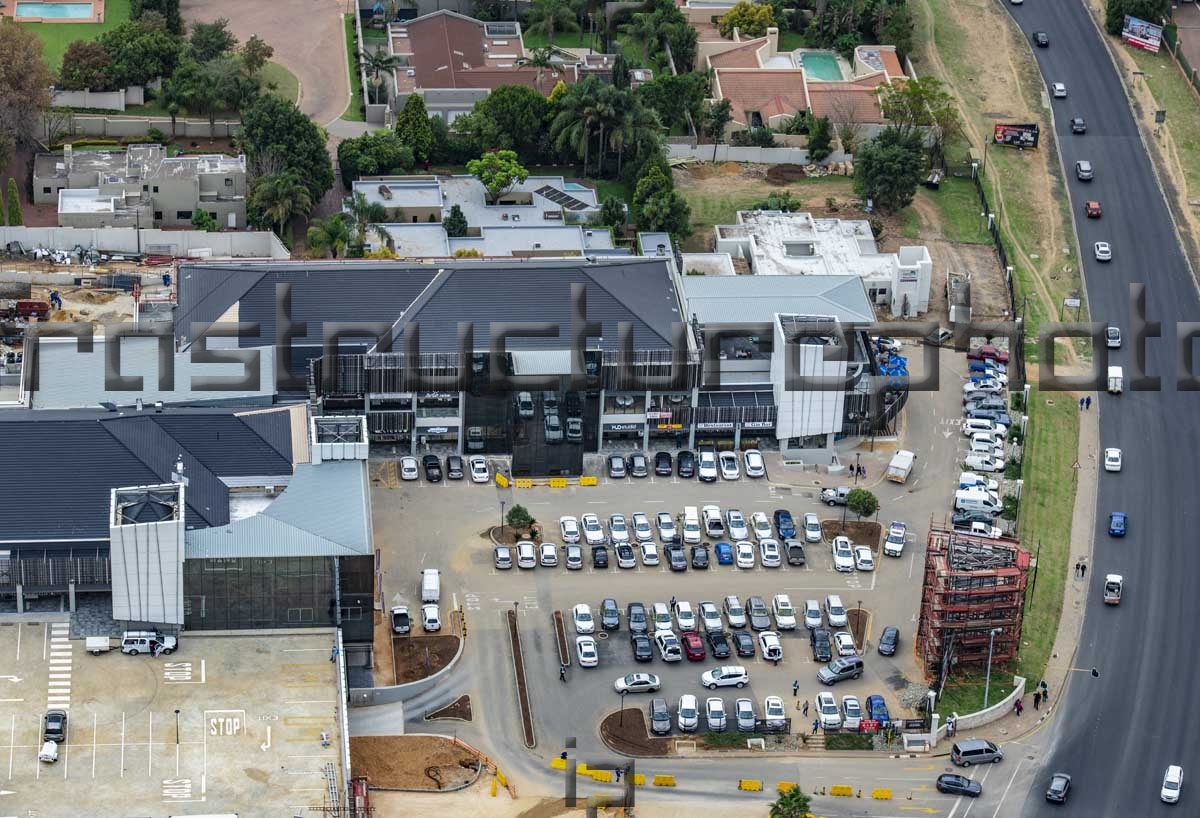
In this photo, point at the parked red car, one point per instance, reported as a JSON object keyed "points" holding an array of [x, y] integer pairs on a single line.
{"points": [[987, 352], [693, 646]]}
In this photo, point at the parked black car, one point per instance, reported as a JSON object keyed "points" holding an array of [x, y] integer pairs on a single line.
{"points": [[599, 556], [821, 649], [643, 648], [635, 617], [889, 640], [958, 785], [685, 464], [662, 464], [433, 468], [454, 467], [743, 643], [676, 559], [718, 644], [699, 556], [638, 465], [610, 615]]}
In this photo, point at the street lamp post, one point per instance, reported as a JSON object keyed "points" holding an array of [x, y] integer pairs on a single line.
{"points": [[176, 726], [862, 627], [622, 718], [857, 465], [502, 504], [987, 683]]}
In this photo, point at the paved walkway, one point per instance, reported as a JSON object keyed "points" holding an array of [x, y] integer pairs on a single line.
{"points": [[308, 39]]}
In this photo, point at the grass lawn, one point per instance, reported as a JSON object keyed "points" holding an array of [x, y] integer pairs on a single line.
{"points": [[790, 40], [709, 209], [912, 223], [287, 85], [1173, 93], [352, 112], [1049, 497], [562, 39], [958, 204], [56, 37]]}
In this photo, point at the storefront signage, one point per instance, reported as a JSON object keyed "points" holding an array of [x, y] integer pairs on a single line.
{"points": [[436, 430], [669, 426], [659, 415], [622, 427], [714, 427], [758, 424]]}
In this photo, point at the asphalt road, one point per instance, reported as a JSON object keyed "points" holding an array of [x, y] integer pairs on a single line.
{"points": [[1117, 734]]}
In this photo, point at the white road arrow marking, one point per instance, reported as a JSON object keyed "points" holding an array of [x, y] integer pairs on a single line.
{"points": [[266, 745], [11, 678]]}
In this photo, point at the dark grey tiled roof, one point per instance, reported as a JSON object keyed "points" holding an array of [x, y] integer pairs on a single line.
{"points": [[58, 467], [274, 427]]}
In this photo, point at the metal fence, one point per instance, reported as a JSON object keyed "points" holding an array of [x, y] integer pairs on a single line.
{"points": [[1171, 38]]}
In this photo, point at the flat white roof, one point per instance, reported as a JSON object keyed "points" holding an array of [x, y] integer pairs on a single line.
{"points": [[85, 200], [796, 243]]}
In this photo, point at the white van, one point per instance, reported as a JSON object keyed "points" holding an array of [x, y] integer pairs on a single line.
{"points": [[976, 499], [970, 479], [431, 585], [691, 525], [152, 642]]}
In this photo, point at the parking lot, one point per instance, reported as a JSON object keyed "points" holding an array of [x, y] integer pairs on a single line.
{"points": [[223, 725]]}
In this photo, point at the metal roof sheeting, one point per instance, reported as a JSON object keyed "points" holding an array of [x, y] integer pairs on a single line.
{"points": [[717, 299], [324, 512]]}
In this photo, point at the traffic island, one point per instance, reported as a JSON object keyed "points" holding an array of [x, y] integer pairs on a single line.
{"points": [[625, 732], [432, 763], [514, 639], [458, 710], [860, 532], [416, 657]]}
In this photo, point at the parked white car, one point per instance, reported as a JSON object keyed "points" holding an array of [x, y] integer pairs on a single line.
{"points": [[897, 535], [812, 527], [666, 526], [843, 554], [745, 555], [569, 528], [734, 612], [761, 524], [409, 469], [714, 714], [618, 531], [585, 651], [706, 465], [773, 713], [649, 553], [768, 551], [755, 465], [642, 530], [983, 463], [729, 466], [864, 560], [812, 614], [770, 646], [582, 615], [827, 711], [735, 523], [785, 614], [685, 616], [851, 712], [479, 469], [431, 618], [710, 617], [844, 642], [593, 531]]}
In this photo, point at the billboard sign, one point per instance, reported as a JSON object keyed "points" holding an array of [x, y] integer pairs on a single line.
{"points": [[1016, 136], [1141, 34]]}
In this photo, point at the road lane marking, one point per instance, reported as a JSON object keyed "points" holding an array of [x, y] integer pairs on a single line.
{"points": [[1007, 788]]}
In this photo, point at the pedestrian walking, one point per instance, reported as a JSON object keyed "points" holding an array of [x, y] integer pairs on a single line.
{"points": [[1089, 402], [816, 724], [795, 688], [1045, 691], [618, 772], [1037, 699], [333, 654], [562, 673], [806, 708], [672, 602], [1076, 569], [1019, 707], [1082, 570], [1081, 404]]}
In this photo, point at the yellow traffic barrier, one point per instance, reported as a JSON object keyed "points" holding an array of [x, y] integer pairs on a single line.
{"points": [[493, 788], [523, 483], [664, 781], [786, 786], [558, 764], [749, 785], [501, 480], [843, 790], [639, 779], [881, 794], [603, 776], [500, 777], [581, 769], [587, 481], [558, 482]]}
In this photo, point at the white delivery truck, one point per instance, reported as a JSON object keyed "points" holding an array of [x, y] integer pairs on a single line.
{"points": [[431, 585], [1116, 380], [901, 466]]}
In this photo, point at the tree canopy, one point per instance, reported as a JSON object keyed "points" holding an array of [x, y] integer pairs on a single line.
{"points": [[168, 9], [917, 103], [512, 117], [861, 502], [1152, 11], [24, 87], [888, 168], [86, 66], [276, 127], [750, 19], [141, 50], [211, 40], [372, 154], [499, 171], [412, 126]]}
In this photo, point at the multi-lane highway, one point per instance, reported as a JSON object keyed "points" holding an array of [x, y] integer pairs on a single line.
{"points": [[1116, 734]]}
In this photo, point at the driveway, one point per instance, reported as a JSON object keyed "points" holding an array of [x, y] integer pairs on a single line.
{"points": [[307, 38]]}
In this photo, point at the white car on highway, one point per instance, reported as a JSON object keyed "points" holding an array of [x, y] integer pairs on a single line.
{"points": [[736, 525], [582, 614], [585, 650], [1172, 784], [569, 528], [745, 555], [642, 530], [769, 553], [864, 560], [479, 469], [666, 526], [785, 614], [1112, 459], [1103, 251], [844, 643], [827, 711], [761, 524], [843, 554], [593, 531]]}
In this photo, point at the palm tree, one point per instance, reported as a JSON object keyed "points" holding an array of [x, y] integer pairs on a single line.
{"points": [[791, 804], [378, 63], [539, 58], [173, 99], [605, 113], [633, 122], [573, 124], [332, 235], [550, 17], [280, 197], [366, 213]]}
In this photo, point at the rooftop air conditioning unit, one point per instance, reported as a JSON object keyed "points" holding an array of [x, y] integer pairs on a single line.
{"points": [[516, 217], [537, 245], [412, 72], [662, 249], [588, 233]]}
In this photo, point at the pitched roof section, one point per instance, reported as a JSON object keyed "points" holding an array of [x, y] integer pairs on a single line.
{"points": [[274, 426], [640, 291], [831, 99], [60, 466], [714, 299], [206, 292], [743, 56], [770, 92], [325, 511]]}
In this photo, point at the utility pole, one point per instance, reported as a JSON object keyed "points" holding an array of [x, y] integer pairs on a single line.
{"points": [[987, 683]]}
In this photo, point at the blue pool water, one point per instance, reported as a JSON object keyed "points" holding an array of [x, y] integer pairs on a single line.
{"points": [[57, 11], [821, 66], [574, 186]]}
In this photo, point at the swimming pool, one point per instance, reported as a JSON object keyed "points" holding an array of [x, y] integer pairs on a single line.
{"points": [[574, 186], [55, 11], [821, 65]]}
